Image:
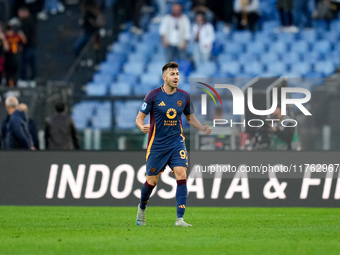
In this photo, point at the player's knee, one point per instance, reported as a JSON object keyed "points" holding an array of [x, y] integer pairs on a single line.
{"points": [[152, 180], [181, 173]]}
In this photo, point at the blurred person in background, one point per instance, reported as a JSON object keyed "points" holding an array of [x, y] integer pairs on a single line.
{"points": [[283, 135], [17, 135], [28, 54], [16, 39], [203, 36], [90, 21], [4, 46], [161, 10], [4, 10], [32, 127], [34, 7], [201, 6], [303, 14], [324, 11], [285, 8], [60, 130], [247, 14], [175, 33]]}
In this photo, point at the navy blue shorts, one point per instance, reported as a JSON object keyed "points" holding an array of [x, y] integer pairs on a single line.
{"points": [[158, 159]]}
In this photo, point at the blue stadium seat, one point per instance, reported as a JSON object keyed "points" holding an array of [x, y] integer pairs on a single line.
{"points": [[278, 47], [155, 67], [103, 78], [241, 36], [327, 68], [331, 36], [247, 58], [225, 57], [185, 67], [291, 58], [293, 75], [232, 67], [121, 48], [256, 48], [301, 68], [335, 25], [125, 114], [116, 58], [300, 47], [102, 119], [120, 89], [138, 57], [96, 89], [134, 68], [322, 47], [125, 37], [270, 57], [127, 78], [109, 68], [151, 80], [233, 48], [254, 69], [277, 68], [309, 36], [287, 37], [146, 49], [208, 68]]}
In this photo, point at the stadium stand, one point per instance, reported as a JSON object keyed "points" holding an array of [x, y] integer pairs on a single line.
{"points": [[133, 64]]}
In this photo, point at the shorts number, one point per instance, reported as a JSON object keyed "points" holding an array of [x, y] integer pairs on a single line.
{"points": [[183, 154]]}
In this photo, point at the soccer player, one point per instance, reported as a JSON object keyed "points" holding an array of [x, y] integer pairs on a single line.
{"points": [[166, 141]]}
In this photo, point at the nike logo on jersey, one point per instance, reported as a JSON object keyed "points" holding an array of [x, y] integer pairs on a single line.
{"points": [[162, 104]]}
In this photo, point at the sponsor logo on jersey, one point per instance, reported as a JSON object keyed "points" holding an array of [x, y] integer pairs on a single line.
{"points": [[171, 113], [161, 104]]}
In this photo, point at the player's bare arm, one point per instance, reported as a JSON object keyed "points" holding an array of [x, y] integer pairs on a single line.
{"points": [[140, 123], [193, 121]]}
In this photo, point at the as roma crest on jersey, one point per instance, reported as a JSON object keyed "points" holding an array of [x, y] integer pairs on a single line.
{"points": [[179, 103], [153, 170]]}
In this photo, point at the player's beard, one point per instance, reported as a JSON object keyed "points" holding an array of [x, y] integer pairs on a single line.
{"points": [[170, 83]]}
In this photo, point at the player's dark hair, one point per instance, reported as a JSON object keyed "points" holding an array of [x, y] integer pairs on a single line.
{"points": [[59, 106], [171, 64]]}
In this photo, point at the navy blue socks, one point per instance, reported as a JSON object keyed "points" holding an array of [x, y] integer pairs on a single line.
{"points": [[145, 194], [181, 197]]}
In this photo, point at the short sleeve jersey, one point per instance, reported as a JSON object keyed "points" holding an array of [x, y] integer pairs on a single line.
{"points": [[166, 117]]}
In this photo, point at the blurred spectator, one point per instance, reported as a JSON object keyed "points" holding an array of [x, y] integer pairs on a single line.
{"points": [[283, 135], [28, 55], [4, 11], [303, 14], [92, 20], [60, 130], [53, 7], [247, 14], [136, 6], [17, 135], [336, 6], [324, 10], [16, 39], [4, 46], [285, 8], [34, 7], [175, 33], [200, 6], [203, 36], [161, 10], [32, 127]]}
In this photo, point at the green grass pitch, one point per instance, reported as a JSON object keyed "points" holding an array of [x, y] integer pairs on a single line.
{"points": [[112, 230]]}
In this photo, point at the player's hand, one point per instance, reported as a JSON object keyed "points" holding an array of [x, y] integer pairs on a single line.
{"points": [[207, 130], [146, 128]]}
